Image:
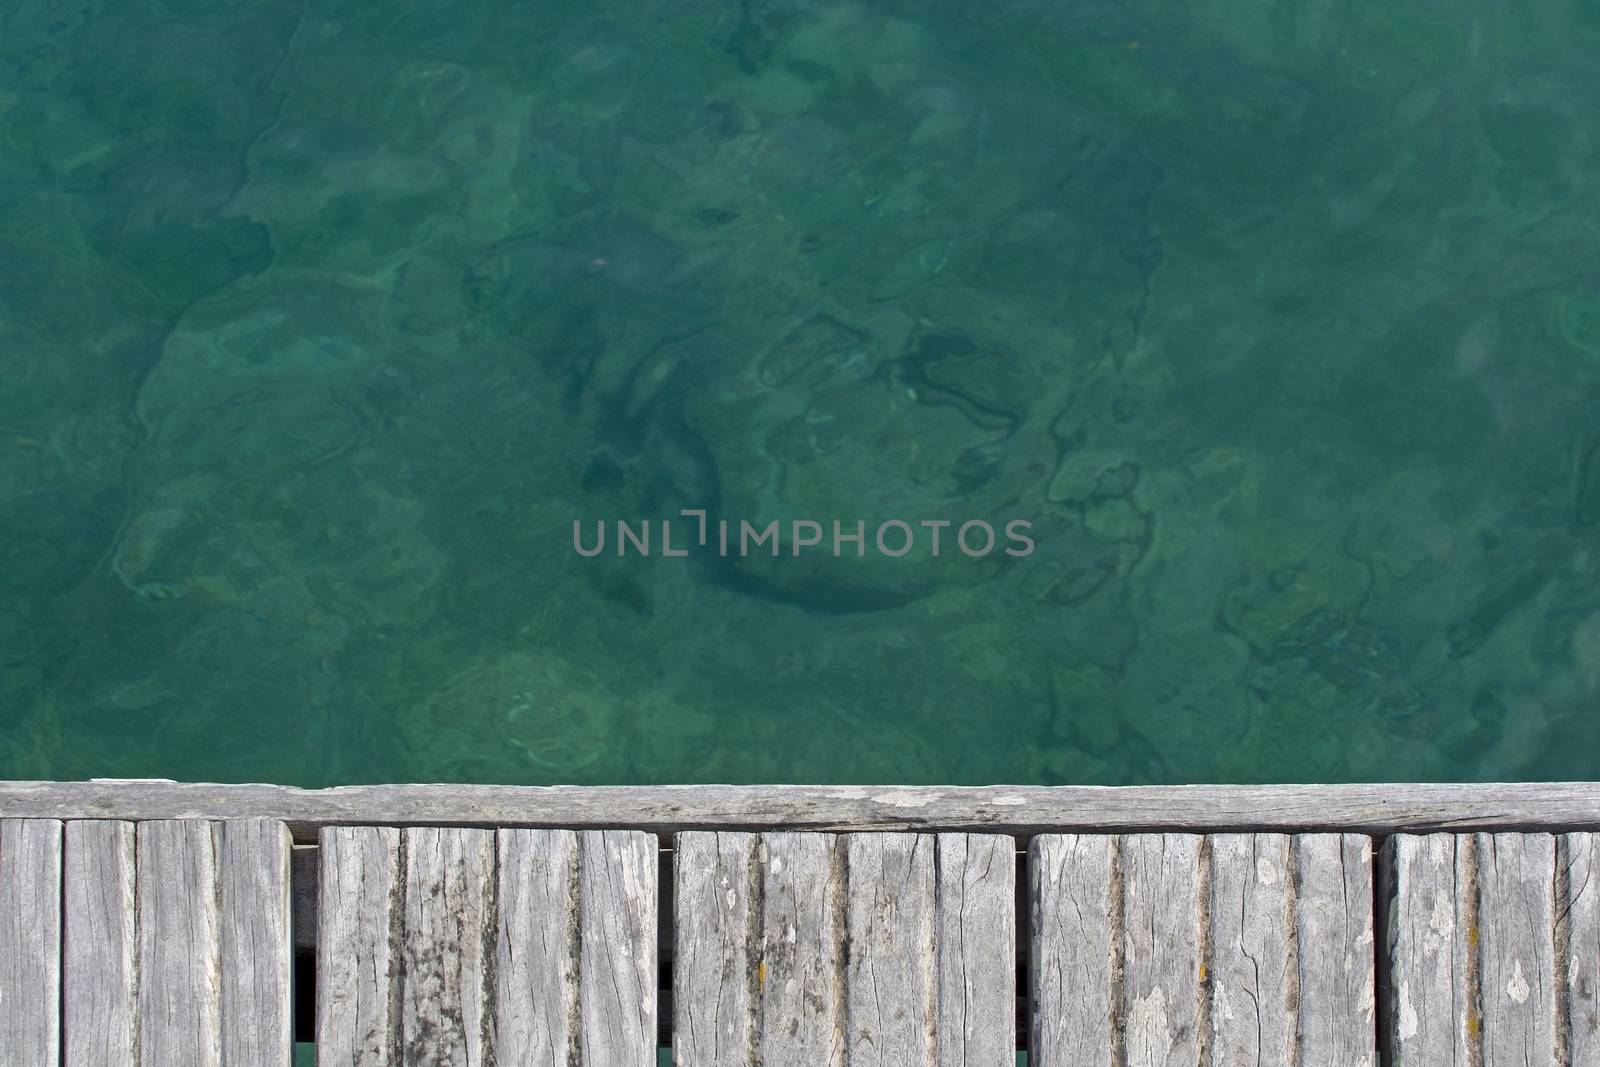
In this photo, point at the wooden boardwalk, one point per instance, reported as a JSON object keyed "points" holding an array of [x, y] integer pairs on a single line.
{"points": [[157, 925]]}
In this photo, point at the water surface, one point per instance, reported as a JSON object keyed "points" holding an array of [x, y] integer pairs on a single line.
{"points": [[1277, 327]]}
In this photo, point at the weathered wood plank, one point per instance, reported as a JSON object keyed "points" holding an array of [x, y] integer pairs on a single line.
{"points": [[30, 941], [449, 907], [762, 971], [1253, 1012], [357, 963], [1020, 810], [1516, 948], [976, 943], [801, 969], [1162, 948], [716, 948], [1335, 944], [434, 949], [99, 946], [179, 955], [1239, 949], [1434, 1012], [536, 971], [617, 934], [1578, 943], [1473, 950], [1076, 883], [891, 991], [257, 1006]]}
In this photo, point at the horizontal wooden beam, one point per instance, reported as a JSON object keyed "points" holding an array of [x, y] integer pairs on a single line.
{"points": [[1018, 810]]}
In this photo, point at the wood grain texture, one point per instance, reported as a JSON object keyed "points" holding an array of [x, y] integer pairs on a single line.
{"points": [[716, 948], [891, 992], [763, 969], [1334, 927], [1019, 810], [357, 960], [1253, 1008], [1477, 951], [1237, 950], [617, 950], [99, 949], [1163, 939], [1516, 948], [179, 1008], [802, 962], [1434, 1012], [1076, 896], [536, 969], [449, 909], [30, 941], [1474, 950], [1578, 941], [976, 954], [1495, 932], [257, 1003], [464, 947]]}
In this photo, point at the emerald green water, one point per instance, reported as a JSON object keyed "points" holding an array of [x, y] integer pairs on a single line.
{"points": [[322, 324]]}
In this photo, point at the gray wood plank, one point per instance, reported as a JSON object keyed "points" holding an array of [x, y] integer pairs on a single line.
{"points": [[1243, 949], [1076, 883], [761, 968], [800, 974], [1335, 944], [357, 963], [1253, 1012], [1024, 810], [976, 942], [462, 947], [257, 1006], [716, 948], [1578, 937], [536, 970], [1162, 946], [1433, 1015], [1473, 950], [891, 992], [179, 1016], [1516, 948], [449, 909], [99, 946], [617, 932], [30, 941]]}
